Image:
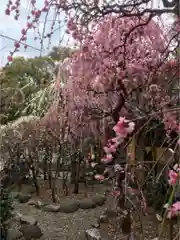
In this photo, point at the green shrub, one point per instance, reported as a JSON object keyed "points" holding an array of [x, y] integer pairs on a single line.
{"points": [[157, 193], [5, 211]]}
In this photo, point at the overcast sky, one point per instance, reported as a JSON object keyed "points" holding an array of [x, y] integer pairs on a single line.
{"points": [[11, 28]]}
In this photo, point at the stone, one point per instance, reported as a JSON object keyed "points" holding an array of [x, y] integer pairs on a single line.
{"points": [[46, 202], [23, 198], [31, 231], [14, 195], [93, 234], [52, 208], [87, 204], [103, 219], [99, 199], [37, 204], [95, 225], [32, 202], [69, 206], [28, 220], [14, 234]]}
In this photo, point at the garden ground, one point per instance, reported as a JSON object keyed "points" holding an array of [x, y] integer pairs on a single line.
{"points": [[72, 226]]}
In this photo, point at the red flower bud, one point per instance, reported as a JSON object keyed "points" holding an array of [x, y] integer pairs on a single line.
{"points": [[17, 45], [29, 25], [37, 14], [23, 31], [7, 11], [9, 58], [13, 8], [23, 38]]}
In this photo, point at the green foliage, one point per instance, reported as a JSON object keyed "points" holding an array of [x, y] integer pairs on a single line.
{"points": [[20, 82], [26, 85], [59, 54], [5, 208], [39, 102], [157, 192]]}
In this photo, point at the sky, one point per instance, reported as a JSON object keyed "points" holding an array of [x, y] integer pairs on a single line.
{"points": [[12, 28]]}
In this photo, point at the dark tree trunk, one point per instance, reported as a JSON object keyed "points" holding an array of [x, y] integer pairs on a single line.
{"points": [[54, 178], [45, 167], [50, 174], [64, 184], [171, 230], [76, 183], [35, 180], [73, 171]]}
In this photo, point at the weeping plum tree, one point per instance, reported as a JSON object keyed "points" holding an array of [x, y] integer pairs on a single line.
{"points": [[117, 59], [122, 54]]}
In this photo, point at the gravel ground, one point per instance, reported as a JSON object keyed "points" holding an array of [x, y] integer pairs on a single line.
{"points": [[61, 226], [71, 226]]}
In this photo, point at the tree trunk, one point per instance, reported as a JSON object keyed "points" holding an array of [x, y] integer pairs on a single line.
{"points": [[50, 174], [76, 183], [73, 171], [64, 184], [45, 167], [54, 181], [171, 230], [35, 180], [140, 153]]}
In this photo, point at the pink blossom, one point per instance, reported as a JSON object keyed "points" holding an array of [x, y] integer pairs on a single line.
{"points": [[116, 193], [120, 130], [71, 25], [116, 140], [131, 127], [109, 157], [99, 177], [172, 177], [178, 142], [174, 210], [176, 206], [113, 148], [107, 150]]}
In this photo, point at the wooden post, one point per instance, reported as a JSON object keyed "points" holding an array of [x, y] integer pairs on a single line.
{"points": [[131, 150]]}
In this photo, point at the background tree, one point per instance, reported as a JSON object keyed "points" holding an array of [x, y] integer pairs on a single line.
{"points": [[61, 53], [22, 81]]}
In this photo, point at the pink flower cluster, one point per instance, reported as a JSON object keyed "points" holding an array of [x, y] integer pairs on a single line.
{"points": [[174, 210], [174, 175], [170, 121], [122, 129]]}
